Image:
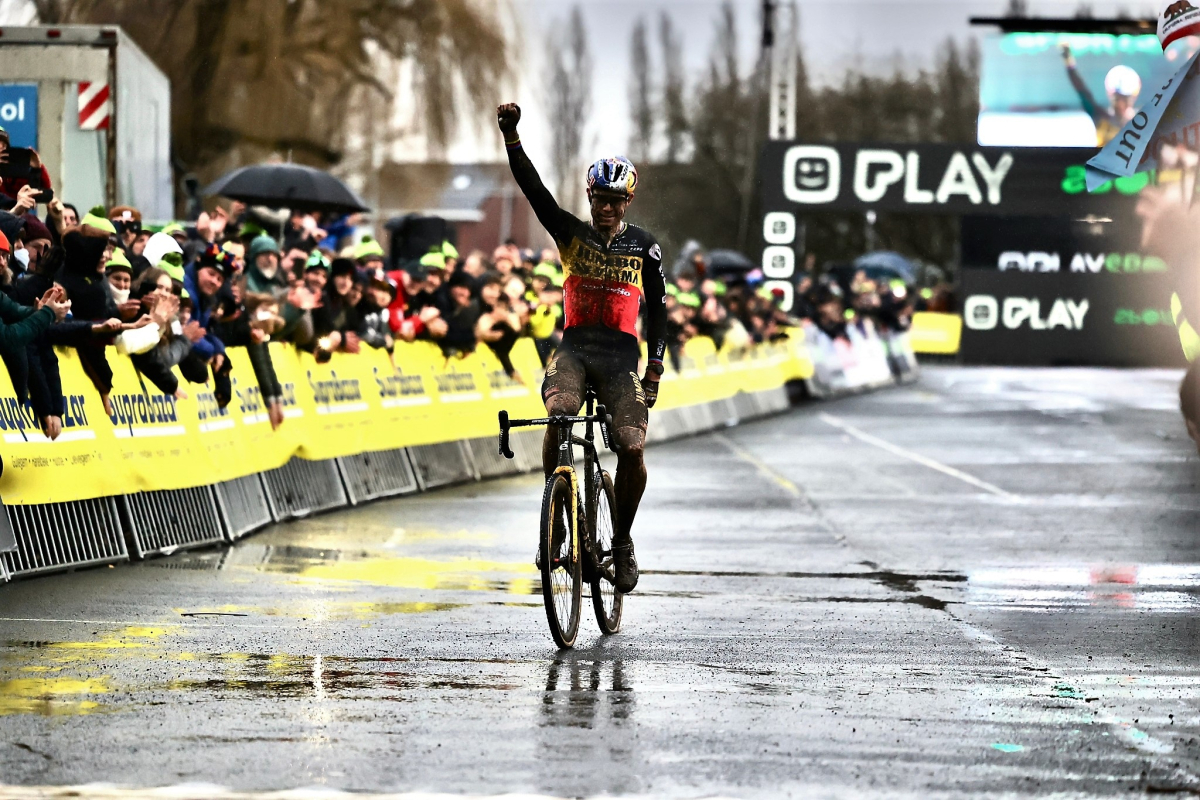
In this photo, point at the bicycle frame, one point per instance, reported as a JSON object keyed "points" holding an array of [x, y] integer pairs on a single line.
{"points": [[586, 560], [567, 442]]}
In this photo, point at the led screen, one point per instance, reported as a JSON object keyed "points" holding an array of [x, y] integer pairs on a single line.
{"points": [[1029, 97]]}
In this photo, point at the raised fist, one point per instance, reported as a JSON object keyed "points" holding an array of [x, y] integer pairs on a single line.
{"points": [[507, 117]]}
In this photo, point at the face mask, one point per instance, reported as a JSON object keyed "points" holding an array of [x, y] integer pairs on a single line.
{"points": [[22, 256], [120, 295]]}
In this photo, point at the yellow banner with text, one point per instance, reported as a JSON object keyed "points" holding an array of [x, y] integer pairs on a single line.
{"points": [[367, 402]]}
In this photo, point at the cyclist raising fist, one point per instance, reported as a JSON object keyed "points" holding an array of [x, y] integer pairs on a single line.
{"points": [[611, 270]]}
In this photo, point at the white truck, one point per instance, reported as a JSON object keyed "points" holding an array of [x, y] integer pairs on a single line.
{"points": [[97, 110]]}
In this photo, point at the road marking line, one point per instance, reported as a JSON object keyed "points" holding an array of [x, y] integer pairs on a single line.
{"points": [[763, 468], [924, 461]]}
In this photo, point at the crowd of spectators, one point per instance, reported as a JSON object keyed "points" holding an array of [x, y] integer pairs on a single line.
{"points": [[740, 308], [181, 295]]}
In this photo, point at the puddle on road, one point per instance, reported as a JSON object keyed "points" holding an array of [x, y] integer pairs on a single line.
{"points": [[322, 677], [233, 675], [64, 679], [1154, 588], [51, 696], [332, 566], [326, 610]]}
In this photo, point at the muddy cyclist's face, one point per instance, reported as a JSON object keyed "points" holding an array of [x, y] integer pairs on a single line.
{"points": [[608, 209]]}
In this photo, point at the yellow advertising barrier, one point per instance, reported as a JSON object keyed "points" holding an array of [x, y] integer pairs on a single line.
{"points": [[353, 404], [935, 333]]}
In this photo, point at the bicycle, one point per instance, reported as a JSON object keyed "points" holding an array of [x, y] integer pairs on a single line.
{"points": [[566, 560]]}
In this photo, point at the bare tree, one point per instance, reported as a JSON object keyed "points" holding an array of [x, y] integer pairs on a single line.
{"points": [[255, 77], [1084, 11], [641, 105], [570, 99], [673, 90]]}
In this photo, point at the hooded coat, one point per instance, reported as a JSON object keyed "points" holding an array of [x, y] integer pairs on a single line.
{"points": [[81, 274], [87, 290]]}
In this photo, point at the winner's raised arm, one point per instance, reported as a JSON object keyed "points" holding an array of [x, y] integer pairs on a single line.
{"points": [[526, 175]]}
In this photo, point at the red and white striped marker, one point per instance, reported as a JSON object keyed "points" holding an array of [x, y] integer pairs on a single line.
{"points": [[93, 106]]}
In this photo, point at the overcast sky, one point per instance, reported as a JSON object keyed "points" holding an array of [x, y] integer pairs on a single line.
{"points": [[835, 34]]}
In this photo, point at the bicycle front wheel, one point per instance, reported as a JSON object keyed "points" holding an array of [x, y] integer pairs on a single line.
{"points": [[561, 566], [606, 600]]}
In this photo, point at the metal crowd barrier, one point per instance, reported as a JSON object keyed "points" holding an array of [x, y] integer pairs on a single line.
{"points": [[62, 536], [526, 445], [443, 464], [161, 522], [58, 536], [244, 506], [371, 476], [488, 461], [300, 488]]}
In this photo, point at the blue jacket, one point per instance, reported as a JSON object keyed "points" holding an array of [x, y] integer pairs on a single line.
{"points": [[202, 312]]}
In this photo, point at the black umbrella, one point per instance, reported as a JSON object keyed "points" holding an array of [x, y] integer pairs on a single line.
{"points": [[724, 262], [292, 186]]}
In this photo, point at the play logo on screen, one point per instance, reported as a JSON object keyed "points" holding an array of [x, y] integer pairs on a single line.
{"points": [[981, 312], [812, 174]]}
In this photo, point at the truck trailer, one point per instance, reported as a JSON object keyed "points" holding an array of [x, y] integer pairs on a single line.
{"points": [[97, 110]]}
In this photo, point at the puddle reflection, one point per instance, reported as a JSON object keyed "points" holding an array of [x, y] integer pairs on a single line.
{"points": [[586, 694], [1156, 588]]}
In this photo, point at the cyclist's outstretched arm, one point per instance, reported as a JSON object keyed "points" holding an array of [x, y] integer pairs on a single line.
{"points": [[654, 284], [1090, 106], [553, 218]]}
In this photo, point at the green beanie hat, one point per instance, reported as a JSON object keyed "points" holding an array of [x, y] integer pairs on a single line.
{"points": [[449, 250], [172, 228], [317, 260], [118, 262], [434, 260], [689, 299], [545, 270], [261, 244], [172, 264], [367, 248], [97, 218]]}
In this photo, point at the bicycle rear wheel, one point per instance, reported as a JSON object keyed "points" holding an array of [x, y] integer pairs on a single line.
{"points": [[606, 600], [561, 566]]}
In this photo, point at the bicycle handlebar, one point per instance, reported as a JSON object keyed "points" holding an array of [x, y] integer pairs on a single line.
{"points": [[601, 418]]}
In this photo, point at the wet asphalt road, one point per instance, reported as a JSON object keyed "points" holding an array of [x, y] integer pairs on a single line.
{"points": [[988, 582]]}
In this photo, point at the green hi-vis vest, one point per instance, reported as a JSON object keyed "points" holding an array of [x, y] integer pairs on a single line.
{"points": [[1188, 338]]}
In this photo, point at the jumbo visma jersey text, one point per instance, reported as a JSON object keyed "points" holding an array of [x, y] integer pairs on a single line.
{"points": [[604, 287]]}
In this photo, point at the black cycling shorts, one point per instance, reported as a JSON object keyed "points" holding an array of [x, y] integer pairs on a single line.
{"points": [[605, 359]]}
